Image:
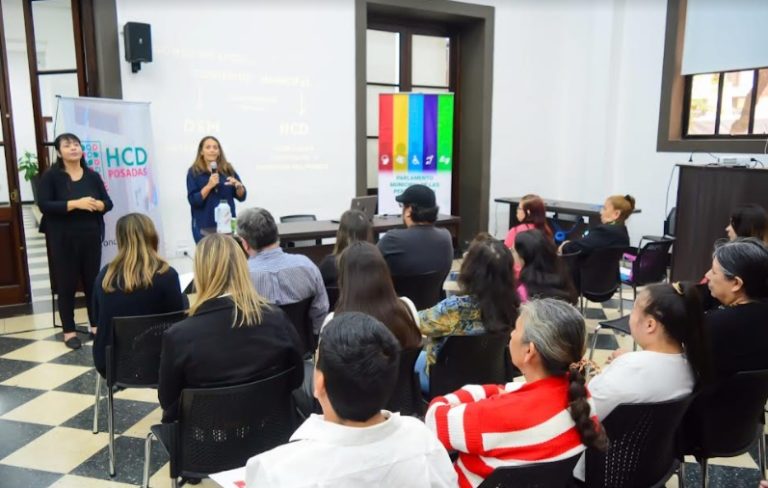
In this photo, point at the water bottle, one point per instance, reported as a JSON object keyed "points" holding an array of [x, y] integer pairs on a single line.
{"points": [[223, 216]]}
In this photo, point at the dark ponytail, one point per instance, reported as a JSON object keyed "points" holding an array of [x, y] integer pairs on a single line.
{"points": [[591, 435], [678, 308]]}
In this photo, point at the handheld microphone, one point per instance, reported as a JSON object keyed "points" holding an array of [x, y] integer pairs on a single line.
{"points": [[214, 167]]}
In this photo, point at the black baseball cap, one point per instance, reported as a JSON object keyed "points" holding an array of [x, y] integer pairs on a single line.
{"points": [[418, 195]]}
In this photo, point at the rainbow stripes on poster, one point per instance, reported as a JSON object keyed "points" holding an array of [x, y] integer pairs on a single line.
{"points": [[415, 133]]}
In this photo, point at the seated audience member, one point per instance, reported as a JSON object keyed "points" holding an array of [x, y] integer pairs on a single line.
{"points": [[543, 273], [365, 286], [137, 282], [279, 277], [487, 302], [421, 247], [548, 417], [353, 226], [232, 335], [667, 323], [748, 220], [611, 233], [738, 331], [532, 214], [355, 443]]}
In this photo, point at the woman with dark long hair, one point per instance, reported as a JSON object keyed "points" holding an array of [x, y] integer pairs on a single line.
{"points": [[366, 286], [532, 214], [353, 226], [543, 273], [73, 201], [210, 180], [488, 301], [546, 418], [750, 220]]}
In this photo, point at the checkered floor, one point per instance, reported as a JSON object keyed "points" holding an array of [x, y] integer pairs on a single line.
{"points": [[46, 413]]}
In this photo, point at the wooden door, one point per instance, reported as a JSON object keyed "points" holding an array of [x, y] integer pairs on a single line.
{"points": [[14, 274]]}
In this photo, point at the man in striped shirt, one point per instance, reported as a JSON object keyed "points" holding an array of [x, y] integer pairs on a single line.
{"points": [[540, 420], [279, 277]]}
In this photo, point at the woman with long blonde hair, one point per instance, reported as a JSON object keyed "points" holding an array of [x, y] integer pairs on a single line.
{"points": [[137, 282], [210, 180], [232, 335]]}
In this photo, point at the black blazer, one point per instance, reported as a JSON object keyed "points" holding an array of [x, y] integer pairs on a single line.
{"points": [[600, 237], [53, 192], [163, 296], [205, 351]]}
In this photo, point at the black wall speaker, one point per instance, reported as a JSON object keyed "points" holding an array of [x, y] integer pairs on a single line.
{"points": [[138, 44]]}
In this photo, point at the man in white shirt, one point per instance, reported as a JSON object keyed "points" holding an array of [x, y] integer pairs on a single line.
{"points": [[355, 443]]}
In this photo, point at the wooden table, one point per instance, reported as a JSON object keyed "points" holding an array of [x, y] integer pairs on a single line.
{"points": [[319, 229], [589, 210]]}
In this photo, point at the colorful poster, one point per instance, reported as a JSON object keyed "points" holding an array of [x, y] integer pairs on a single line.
{"points": [[415, 146], [117, 143]]}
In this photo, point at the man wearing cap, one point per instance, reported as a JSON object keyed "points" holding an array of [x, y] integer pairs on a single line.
{"points": [[421, 247]]}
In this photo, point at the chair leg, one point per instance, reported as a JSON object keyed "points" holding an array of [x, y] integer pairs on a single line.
{"points": [[147, 454], [96, 399], [111, 426], [681, 474], [704, 473], [594, 342], [761, 452], [621, 300]]}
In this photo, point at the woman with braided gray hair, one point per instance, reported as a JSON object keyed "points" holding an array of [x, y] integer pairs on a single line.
{"points": [[738, 330], [548, 417]]}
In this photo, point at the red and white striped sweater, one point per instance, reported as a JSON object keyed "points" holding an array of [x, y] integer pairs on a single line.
{"points": [[505, 425]]}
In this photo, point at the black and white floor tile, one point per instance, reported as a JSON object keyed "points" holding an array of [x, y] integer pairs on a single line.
{"points": [[46, 412]]}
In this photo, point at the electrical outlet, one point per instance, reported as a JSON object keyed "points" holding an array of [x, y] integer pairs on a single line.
{"points": [[183, 250]]}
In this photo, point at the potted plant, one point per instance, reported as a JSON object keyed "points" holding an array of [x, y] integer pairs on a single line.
{"points": [[28, 165]]}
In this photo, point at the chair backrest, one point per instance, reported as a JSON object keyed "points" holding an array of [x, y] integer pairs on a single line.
{"points": [[406, 398], [221, 428], [464, 360], [133, 355], [599, 273], [301, 218], [642, 450], [333, 296], [552, 474], [725, 417], [651, 263], [670, 225], [424, 290], [298, 312]]}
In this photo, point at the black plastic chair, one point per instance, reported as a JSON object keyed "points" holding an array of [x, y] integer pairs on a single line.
{"points": [[552, 474], [598, 276], [650, 264], [642, 450], [424, 290], [406, 398], [465, 360], [133, 361], [298, 312], [725, 418], [620, 324], [301, 218], [221, 428]]}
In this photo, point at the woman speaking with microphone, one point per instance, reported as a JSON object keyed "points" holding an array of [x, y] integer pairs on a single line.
{"points": [[211, 180]]}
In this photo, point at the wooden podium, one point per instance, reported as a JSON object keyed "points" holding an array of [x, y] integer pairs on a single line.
{"points": [[706, 196]]}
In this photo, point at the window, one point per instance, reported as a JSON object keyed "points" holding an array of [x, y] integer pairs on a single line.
{"points": [[401, 59], [727, 104]]}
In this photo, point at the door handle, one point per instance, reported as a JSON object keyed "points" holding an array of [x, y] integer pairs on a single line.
{"points": [[15, 196]]}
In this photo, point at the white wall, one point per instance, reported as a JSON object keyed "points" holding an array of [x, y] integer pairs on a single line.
{"points": [[240, 71]]}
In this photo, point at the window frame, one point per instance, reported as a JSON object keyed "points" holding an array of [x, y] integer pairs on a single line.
{"points": [[675, 100]]}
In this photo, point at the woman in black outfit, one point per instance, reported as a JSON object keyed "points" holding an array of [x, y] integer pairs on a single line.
{"points": [[611, 233], [739, 329], [232, 335], [73, 201], [137, 282]]}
